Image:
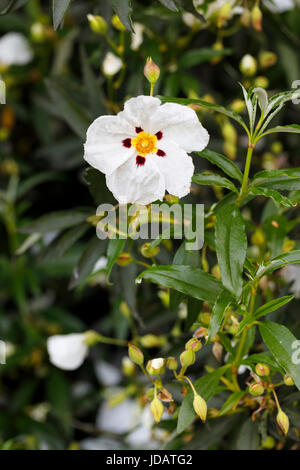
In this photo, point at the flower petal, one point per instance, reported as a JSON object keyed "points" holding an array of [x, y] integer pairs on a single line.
{"points": [[176, 167], [139, 111], [104, 147], [136, 184], [180, 124], [67, 351]]}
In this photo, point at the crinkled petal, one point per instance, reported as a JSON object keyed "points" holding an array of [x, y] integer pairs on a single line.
{"points": [[139, 111], [104, 147], [176, 167], [181, 125], [136, 184]]}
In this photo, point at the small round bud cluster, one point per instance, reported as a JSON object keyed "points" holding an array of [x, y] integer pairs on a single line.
{"points": [[256, 389], [262, 370]]}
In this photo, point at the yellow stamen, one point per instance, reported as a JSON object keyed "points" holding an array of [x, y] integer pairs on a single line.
{"points": [[145, 143]]}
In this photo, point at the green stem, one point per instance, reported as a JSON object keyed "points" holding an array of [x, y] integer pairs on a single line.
{"points": [[246, 173], [115, 341]]}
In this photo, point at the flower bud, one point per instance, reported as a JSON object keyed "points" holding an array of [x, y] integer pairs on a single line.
{"points": [[200, 406], [216, 271], [262, 370], [111, 65], [238, 105], [248, 65], [245, 18], [288, 380], [124, 259], [267, 59], [193, 344], [128, 366], [97, 23], [135, 354], [217, 46], [230, 150], [256, 17], [156, 366], [288, 245], [204, 318], [201, 332], [268, 443], [283, 421], [148, 252], [172, 363], [229, 133], [152, 341], [261, 82], [117, 23], [256, 389], [217, 351], [91, 337], [187, 358], [151, 71], [157, 409], [258, 238], [224, 14], [37, 32]]}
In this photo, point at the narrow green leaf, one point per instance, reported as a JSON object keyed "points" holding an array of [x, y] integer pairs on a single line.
{"points": [[193, 309], [170, 4], [230, 168], [115, 248], [292, 257], [273, 305], [197, 56], [231, 246], [186, 279], [94, 249], [222, 302], [275, 195], [280, 342], [59, 10], [293, 128], [55, 221], [209, 179], [231, 402]]}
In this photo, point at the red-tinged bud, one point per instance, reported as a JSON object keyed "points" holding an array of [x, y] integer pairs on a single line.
{"points": [[149, 252], [200, 407], [267, 59], [151, 71], [256, 389], [283, 421], [217, 351], [288, 380], [262, 370], [157, 409], [124, 259], [135, 354], [193, 344], [256, 18]]}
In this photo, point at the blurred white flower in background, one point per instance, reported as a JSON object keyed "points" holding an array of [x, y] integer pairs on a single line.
{"points": [[119, 419], [15, 50], [291, 273], [191, 20], [67, 351], [100, 264], [143, 151], [279, 6], [107, 374], [112, 64], [137, 36]]}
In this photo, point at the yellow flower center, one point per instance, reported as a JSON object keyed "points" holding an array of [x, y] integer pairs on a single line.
{"points": [[145, 143]]}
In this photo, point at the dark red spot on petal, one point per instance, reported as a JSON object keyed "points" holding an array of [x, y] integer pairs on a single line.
{"points": [[161, 153], [159, 135], [138, 130], [126, 143], [140, 161]]}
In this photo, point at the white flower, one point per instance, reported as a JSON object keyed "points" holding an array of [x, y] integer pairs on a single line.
{"points": [[67, 351], [191, 20], [157, 363], [15, 50], [279, 6], [100, 264], [119, 419], [107, 374], [111, 64], [137, 36], [143, 150], [291, 273]]}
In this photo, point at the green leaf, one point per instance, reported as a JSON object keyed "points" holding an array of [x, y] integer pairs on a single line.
{"points": [[55, 221], [293, 128], [35, 180], [248, 436], [207, 387], [12, 5], [170, 4], [280, 342], [273, 305], [94, 249], [275, 195], [267, 174], [230, 168], [71, 112], [123, 9], [186, 279], [292, 257], [59, 10], [115, 248], [97, 186], [209, 106], [94, 91], [222, 303], [197, 56], [193, 309], [265, 358], [209, 179], [231, 402], [287, 179], [231, 246]]}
